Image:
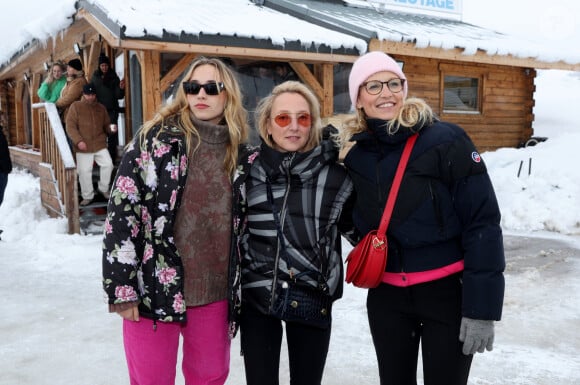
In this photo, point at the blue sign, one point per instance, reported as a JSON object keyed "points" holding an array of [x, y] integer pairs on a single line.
{"points": [[425, 6]]}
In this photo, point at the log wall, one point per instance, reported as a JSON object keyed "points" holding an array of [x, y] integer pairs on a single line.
{"points": [[506, 99]]}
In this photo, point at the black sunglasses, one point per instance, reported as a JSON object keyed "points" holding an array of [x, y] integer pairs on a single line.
{"points": [[212, 88]]}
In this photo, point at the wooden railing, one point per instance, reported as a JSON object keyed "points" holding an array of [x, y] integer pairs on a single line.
{"points": [[58, 175]]}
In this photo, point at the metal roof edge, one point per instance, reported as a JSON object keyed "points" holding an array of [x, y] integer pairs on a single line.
{"points": [[314, 17], [101, 16]]}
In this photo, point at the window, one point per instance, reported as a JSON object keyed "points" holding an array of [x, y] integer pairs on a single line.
{"points": [[461, 94], [342, 103]]}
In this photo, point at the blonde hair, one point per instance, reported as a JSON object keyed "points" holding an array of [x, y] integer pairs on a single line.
{"points": [[264, 111], [235, 115], [50, 78], [414, 115]]}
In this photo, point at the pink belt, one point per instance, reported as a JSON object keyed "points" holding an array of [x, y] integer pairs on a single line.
{"points": [[408, 279]]}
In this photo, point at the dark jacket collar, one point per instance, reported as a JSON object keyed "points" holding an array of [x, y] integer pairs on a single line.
{"points": [[377, 133], [300, 164]]}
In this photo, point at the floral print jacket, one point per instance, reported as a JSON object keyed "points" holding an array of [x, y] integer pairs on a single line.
{"points": [[247, 154], [140, 259]]}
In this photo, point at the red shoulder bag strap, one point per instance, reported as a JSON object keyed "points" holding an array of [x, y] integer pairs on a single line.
{"points": [[396, 184]]}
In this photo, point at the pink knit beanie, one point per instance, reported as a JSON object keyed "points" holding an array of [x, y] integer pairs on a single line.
{"points": [[369, 64]]}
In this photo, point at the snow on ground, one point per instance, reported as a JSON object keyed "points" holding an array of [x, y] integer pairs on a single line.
{"points": [[56, 330]]}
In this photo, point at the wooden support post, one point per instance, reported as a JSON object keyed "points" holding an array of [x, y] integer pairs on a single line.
{"points": [[150, 78]]}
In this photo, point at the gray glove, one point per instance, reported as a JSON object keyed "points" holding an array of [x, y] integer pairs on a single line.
{"points": [[476, 335]]}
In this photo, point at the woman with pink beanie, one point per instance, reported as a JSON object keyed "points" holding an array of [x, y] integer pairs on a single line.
{"points": [[443, 285]]}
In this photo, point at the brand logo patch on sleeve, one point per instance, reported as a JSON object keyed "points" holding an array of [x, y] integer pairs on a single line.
{"points": [[475, 156]]}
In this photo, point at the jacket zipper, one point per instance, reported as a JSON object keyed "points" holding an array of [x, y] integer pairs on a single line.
{"points": [[286, 163]]}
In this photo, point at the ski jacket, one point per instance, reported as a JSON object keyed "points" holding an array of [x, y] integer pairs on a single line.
{"points": [[140, 259], [71, 92], [88, 122], [51, 92], [446, 218], [108, 90], [307, 193]]}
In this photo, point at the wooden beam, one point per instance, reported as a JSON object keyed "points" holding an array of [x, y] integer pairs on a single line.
{"points": [[307, 77], [150, 78], [458, 54], [128, 115], [321, 83], [18, 95], [327, 79], [176, 71], [92, 58], [35, 140]]}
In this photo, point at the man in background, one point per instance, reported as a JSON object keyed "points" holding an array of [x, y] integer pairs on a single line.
{"points": [[109, 90], [87, 124]]}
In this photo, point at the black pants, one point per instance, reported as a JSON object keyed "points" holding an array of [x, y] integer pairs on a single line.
{"points": [[113, 138], [429, 313], [261, 341], [3, 183], [112, 145]]}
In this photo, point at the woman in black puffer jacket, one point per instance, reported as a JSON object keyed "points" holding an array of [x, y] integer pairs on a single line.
{"points": [[443, 285], [296, 192]]}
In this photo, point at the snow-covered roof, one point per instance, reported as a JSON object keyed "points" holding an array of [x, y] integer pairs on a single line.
{"points": [[422, 30], [199, 19], [296, 25]]}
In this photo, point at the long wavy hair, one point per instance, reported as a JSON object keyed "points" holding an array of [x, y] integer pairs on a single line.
{"points": [[50, 78], [235, 115], [414, 115], [264, 112]]}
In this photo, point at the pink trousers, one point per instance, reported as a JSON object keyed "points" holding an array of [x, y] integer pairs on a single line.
{"points": [[152, 354]]}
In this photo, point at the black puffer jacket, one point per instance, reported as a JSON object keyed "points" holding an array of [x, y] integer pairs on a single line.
{"points": [[446, 211], [308, 191]]}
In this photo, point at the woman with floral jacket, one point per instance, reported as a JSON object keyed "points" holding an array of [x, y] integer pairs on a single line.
{"points": [[168, 231]]}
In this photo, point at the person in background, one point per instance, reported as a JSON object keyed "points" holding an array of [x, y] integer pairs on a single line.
{"points": [[168, 231], [73, 89], [283, 72], [87, 124], [50, 89], [443, 286], [296, 192], [109, 90], [5, 165]]}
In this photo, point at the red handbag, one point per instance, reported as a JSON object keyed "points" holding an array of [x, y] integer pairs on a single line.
{"points": [[367, 260]]}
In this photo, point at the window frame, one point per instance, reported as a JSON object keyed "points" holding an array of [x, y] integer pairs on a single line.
{"points": [[448, 70]]}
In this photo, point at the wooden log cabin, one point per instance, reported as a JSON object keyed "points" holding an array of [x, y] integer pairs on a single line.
{"points": [[461, 75]]}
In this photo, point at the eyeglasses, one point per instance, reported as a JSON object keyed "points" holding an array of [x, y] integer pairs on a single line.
{"points": [[284, 119], [374, 87], [193, 88]]}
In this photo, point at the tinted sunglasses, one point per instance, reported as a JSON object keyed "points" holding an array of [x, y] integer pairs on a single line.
{"points": [[213, 88], [284, 119]]}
